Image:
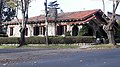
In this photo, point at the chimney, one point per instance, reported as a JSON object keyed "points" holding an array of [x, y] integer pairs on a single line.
{"points": [[52, 13]]}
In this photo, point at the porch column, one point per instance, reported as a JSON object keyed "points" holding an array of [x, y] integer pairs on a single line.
{"points": [[70, 29]]}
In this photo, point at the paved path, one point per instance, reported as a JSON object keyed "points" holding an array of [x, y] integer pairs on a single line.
{"points": [[63, 58]]}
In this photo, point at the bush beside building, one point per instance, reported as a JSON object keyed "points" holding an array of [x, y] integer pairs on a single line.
{"points": [[52, 40]]}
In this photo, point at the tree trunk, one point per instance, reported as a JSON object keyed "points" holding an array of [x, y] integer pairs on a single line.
{"points": [[111, 37], [110, 32], [22, 32], [46, 22], [25, 4], [22, 38], [1, 4], [109, 28]]}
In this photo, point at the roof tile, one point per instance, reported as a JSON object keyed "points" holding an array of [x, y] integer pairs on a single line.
{"points": [[61, 16]]}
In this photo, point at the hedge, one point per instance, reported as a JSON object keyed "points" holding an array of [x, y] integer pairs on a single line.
{"points": [[3, 35], [9, 40], [51, 40], [35, 40]]}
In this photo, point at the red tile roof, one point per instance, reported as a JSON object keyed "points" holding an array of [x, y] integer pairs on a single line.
{"points": [[82, 22], [76, 15], [79, 15]]}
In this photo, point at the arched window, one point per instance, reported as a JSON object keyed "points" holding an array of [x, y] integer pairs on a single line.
{"points": [[75, 30]]}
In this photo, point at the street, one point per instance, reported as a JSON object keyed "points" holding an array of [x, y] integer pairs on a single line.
{"points": [[63, 58]]}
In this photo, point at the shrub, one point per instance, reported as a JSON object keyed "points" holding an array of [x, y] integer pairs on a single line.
{"points": [[83, 30], [77, 39], [68, 33], [10, 40], [56, 40], [3, 35], [51, 40], [117, 40], [35, 40]]}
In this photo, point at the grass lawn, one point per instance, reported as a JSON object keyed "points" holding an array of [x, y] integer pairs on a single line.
{"points": [[52, 47], [63, 46], [49, 47], [102, 46], [2, 47]]}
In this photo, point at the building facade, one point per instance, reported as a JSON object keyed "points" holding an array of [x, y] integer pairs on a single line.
{"points": [[60, 24]]}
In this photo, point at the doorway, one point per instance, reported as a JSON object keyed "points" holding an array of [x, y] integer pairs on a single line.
{"points": [[75, 30]]}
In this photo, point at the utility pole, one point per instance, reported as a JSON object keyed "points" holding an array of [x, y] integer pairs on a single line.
{"points": [[46, 22]]}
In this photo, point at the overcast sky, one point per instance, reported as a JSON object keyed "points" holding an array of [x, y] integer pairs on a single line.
{"points": [[37, 6]]}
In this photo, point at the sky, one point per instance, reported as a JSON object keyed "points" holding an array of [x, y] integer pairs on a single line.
{"points": [[37, 6]]}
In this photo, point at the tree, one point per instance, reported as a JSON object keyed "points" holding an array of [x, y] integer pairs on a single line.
{"points": [[24, 9], [46, 21], [109, 27], [23, 5], [7, 13]]}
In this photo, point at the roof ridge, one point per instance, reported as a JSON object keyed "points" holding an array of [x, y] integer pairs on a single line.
{"points": [[82, 11]]}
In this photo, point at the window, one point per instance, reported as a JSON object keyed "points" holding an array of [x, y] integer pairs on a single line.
{"points": [[26, 31], [75, 30], [36, 31], [11, 31], [42, 30], [61, 30]]}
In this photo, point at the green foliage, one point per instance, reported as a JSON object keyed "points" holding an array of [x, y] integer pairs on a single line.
{"points": [[52, 40], [11, 3], [67, 33], [10, 8], [8, 12], [102, 46], [78, 39], [35, 40], [6, 40], [53, 46], [3, 35], [83, 31], [56, 40], [6, 46]]}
